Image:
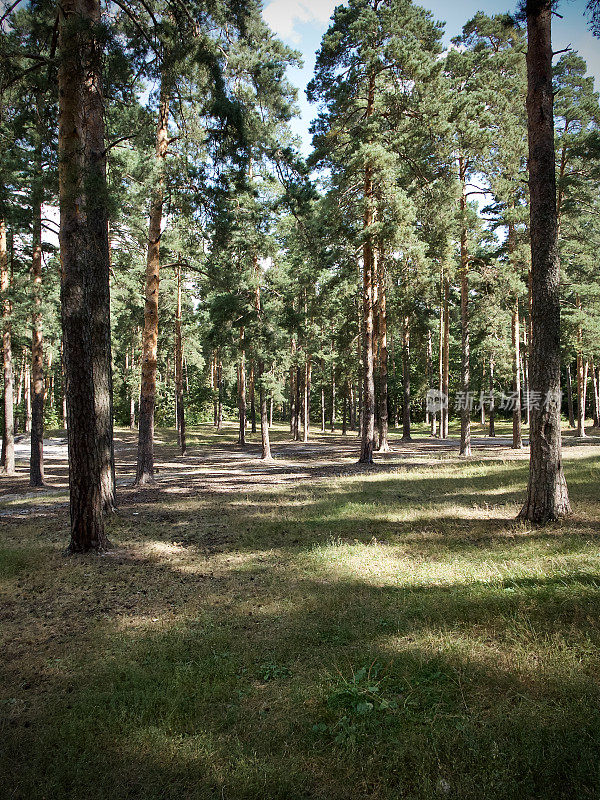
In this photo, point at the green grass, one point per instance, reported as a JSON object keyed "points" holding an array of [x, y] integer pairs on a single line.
{"points": [[389, 635]]}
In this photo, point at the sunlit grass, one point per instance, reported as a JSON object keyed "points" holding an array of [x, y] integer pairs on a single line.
{"points": [[389, 634]]}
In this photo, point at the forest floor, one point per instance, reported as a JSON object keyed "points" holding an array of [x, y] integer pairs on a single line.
{"points": [[306, 628]]}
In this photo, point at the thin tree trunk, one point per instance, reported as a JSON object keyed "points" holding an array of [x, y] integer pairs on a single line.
{"points": [[333, 390], [570, 398], [492, 419], [306, 401], [517, 440], [433, 417], [580, 379], [85, 461], [27, 398], [242, 390], [369, 273], [547, 496], [271, 411], [264, 419], [36, 462], [465, 367], [406, 425], [384, 446], [446, 363], [220, 390], [145, 464], [252, 403], [8, 441], [596, 396], [179, 369]]}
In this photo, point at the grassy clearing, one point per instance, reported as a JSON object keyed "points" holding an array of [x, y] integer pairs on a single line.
{"points": [[393, 634]]}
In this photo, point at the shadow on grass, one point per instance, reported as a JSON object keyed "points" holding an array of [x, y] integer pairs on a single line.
{"points": [[472, 691]]}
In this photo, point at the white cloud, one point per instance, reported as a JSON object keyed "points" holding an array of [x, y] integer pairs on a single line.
{"points": [[284, 15]]}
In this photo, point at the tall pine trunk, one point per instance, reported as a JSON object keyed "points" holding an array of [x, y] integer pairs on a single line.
{"points": [[145, 460], [8, 433], [406, 425], [580, 378], [383, 356], [465, 366], [242, 390], [570, 398], [77, 284], [547, 496], [369, 266], [517, 439], [179, 369], [445, 412], [492, 418], [98, 259], [36, 462]]}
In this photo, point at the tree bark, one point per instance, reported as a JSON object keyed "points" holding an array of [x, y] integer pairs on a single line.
{"points": [[252, 403], [596, 396], [446, 363], [406, 424], [86, 508], [580, 378], [306, 399], [98, 257], [465, 367], [145, 462], [384, 446], [242, 391], [369, 274], [492, 417], [36, 461], [179, 369], [570, 398], [220, 391], [547, 496], [264, 418], [8, 433], [517, 439]]}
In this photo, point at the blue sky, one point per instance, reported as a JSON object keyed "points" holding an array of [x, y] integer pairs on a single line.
{"points": [[301, 24]]}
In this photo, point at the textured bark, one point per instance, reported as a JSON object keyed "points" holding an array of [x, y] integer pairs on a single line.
{"points": [[180, 409], [145, 461], [242, 390], [306, 399], [446, 362], [293, 415], [298, 392], [27, 397], [369, 269], [570, 398], [333, 391], [36, 461], [98, 258], [264, 419], [492, 418], [580, 379], [430, 374], [517, 439], [547, 497], [87, 529], [383, 356], [252, 403], [465, 365], [8, 441], [406, 425], [220, 393], [596, 396]]}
